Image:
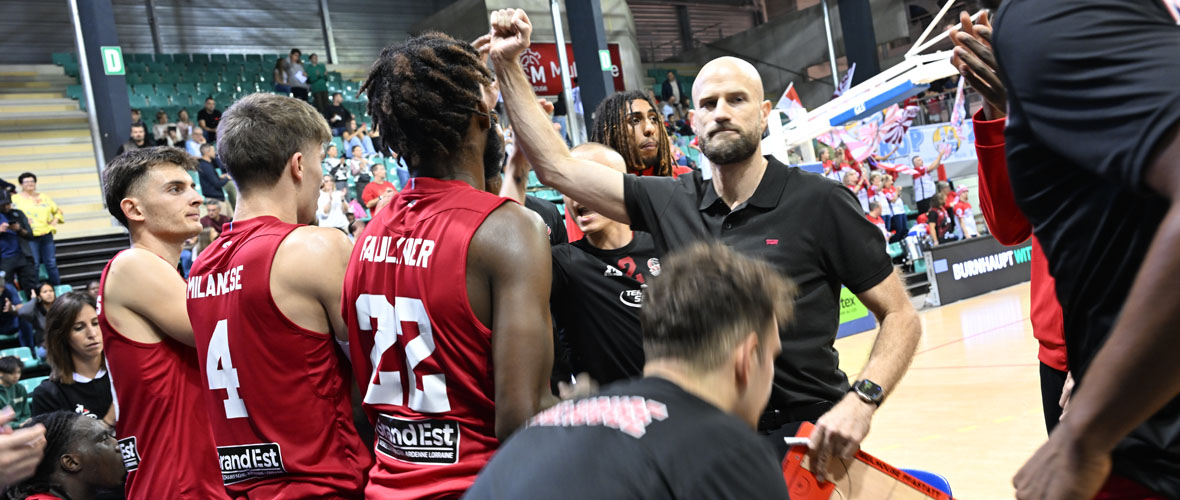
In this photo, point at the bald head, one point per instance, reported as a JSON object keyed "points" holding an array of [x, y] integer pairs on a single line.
{"points": [[728, 72], [600, 154]]}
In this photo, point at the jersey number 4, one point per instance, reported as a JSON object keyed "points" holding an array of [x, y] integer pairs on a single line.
{"points": [[386, 388], [219, 369]]}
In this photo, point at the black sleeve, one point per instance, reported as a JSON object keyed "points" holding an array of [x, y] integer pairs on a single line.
{"points": [[1104, 93], [558, 235], [48, 398], [646, 198], [741, 472], [850, 243]]}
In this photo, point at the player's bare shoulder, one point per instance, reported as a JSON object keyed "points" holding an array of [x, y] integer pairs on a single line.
{"points": [[509, 228]]}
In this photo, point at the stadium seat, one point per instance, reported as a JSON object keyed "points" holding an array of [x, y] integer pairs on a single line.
{"points": [[936, 480], [143, 89], [256, 58], [31, 383], [138, 57], [138, 101], [182, 100], [175, 58], [205, 89], [151, 77], [74, 92], [63, 58], [62, 289], [158, 101], [201, 58], [218, 58], [186, 88], [133, 78], [25, 355], [71, 69], [895, 250]]}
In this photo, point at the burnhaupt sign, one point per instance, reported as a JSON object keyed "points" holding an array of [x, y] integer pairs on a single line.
{"points": [[976, 266]]}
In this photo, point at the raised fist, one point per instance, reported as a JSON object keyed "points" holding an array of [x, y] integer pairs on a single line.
{"points": [[511, 30]]}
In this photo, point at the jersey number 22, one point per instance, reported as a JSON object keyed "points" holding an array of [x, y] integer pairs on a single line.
{"points": [[386, 388]]}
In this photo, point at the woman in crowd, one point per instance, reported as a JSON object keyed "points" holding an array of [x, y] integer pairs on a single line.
{"points": [[358, 136], [44, 215], [184, 127], [160, 128], [332, 206], [34, 313], [82, 459], [280, 77], [78, 381], [336, 167]]}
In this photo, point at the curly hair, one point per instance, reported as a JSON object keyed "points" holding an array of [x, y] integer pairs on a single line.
{"points": [[422, 93], [59, 438], [612, 127]]}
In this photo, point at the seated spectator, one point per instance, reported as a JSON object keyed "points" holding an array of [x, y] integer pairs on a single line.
{"points": [[160, 128], [212, 181], [296, 75], [337, 115], [687, 428], [964, 215], [208, 118], [44, 215], [93, 288], [35, 313], [378, 192], [184, 127], [10, 320], [82, 460], [78, 380], [335, 166], [138, 139], [331, 211], [874, 216], [16, 252], [280, 77], [317, 78], [355, 135], [12, 394], [136, 116], [213, 217], [938, 221], [375, 136], [194, 143]]}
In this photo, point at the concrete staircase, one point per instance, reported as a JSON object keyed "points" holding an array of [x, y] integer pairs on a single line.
{"points": [[43, 132]]}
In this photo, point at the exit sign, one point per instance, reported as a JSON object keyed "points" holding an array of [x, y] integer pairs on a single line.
{"points": [[112, 60]]}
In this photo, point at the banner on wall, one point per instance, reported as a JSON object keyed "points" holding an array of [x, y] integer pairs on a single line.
{"points": [[975, 266], [926, 140], [543, 67], [854, 316]]}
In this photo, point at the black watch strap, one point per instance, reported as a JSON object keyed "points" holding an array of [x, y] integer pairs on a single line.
{"points": [[869, 391]]}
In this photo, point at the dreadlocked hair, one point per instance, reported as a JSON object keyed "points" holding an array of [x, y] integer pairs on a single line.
{"points": [[422, 93], [612, 127], [59, 435]]}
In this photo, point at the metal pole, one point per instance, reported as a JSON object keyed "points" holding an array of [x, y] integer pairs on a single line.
{"points": [[329, 38], [831, 47], [84, 72], [571, 112], [154, 24]]}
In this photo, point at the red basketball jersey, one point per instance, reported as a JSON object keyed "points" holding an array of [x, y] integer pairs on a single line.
{"points": [[423, 359], [278, 395], [161, 422]]}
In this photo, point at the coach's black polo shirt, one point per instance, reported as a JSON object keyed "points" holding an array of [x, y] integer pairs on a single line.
{"points": [[809, 227]]}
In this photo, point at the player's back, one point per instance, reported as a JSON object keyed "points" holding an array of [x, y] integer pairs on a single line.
{"points": [[278, 394], [161, 421], [409, 320]]}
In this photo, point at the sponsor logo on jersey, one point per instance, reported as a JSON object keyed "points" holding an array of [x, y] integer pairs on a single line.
{"points": [[612, 271], [631, 298], [250, 461], [653, 266], [418, 441], [629, 414], [130, 453]]}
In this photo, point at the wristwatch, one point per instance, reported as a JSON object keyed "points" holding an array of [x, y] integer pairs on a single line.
{"points": [[869, 391]]}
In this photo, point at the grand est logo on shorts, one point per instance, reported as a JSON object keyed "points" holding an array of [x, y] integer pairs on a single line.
{"points": [[418, 441]]}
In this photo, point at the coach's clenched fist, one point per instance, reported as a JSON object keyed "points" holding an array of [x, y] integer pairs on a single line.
{"points": [[511, 30]]}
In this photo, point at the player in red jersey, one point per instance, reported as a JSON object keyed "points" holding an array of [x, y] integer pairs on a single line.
{"points": [[447, 290], [264, 300], [162, 425]]}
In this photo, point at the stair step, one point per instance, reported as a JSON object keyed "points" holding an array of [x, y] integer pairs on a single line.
{"points": [[85, 243], [43, 174], [37, 108], [74, 199], [52, 150], [25, 120], [69, 139], [46, 130], [30, 96], [56, 164], [24, 77], [84, 212], [6, 103], [36, 69]]}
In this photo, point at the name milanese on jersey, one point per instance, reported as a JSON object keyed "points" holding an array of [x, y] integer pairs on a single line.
{"points": [[212, 285], [414, 252]]}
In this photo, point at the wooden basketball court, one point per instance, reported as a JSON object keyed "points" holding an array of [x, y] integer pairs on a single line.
{"points": [[970, 407]]}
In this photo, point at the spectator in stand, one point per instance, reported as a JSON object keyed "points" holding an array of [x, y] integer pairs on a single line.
{"points": [[331, 212], [338, 116], [15, 252], [184, 127], [208, 118], [1005, 221], [317, 78], [672, 92], [335, 166], [83, 461], [213, 217], [296, 75], [194, 143], [92, 288], [212, 181], [357, 136], [874, 216], [923, 183], [10, 320], [138, 139], [78, 379], [360, 168], [964, 215], [160, 128], [896, 222], [34, 313], [12, 394], [378, 192], [939, 221], [375, 136], [856, 183], [280, 76], [944, 187], [44, 215]]}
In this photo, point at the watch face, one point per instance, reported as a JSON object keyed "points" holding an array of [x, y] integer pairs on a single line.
{"points": [[869, 389]]}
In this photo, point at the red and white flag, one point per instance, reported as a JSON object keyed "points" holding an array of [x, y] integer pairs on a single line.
{"points": [[959, 111], [845, 83], [896, 123], [861, 141], [790, 103], [897, 168]]}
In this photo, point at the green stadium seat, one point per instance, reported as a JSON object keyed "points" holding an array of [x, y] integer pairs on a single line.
{"points": [[71, 69], [185, 100], [137, 57], [254, 58], [171, 77], [144, 89], [59, 290], [64, 58], [24, 353], [201, 58], [204, 89], [176, 58], [218, 58], [158, 101], [74, 92], [31, 383], [186, 88], [138, 101], [133, 78], [151, 78]]}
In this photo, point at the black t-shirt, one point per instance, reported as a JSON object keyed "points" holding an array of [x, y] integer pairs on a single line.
{"points": [[88, 398], [332, 110], [211, 119], [549, 213], [941, 221], [808, 227], [596, 299], [642, 439], [1085, 116]]}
